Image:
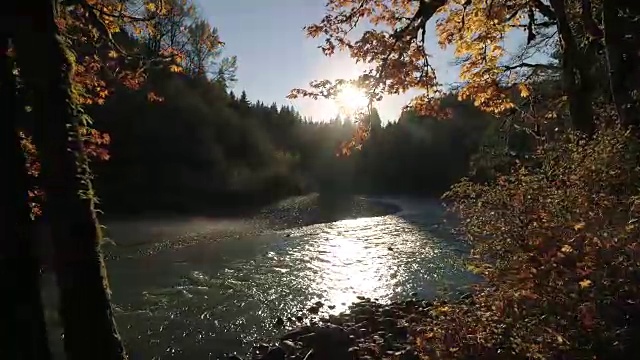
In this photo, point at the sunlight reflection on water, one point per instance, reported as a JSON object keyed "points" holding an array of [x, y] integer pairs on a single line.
{"points": [[351, 261], [209, 297]]}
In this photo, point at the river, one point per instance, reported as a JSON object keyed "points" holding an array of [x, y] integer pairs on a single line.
{"points": [[193, 289]]}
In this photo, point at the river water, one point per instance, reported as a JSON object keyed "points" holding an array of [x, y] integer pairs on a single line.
{"points": [[223, 285]]}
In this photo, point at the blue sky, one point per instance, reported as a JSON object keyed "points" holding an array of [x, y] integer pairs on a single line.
{"points": [[274, 55]]}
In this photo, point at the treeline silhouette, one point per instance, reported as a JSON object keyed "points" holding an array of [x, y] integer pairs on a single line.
{"points": [[203, 148]]}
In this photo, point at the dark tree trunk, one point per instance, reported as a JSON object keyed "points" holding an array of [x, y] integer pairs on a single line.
{"points": [[576, 79], [621, 20], [85, 308], [23, 331]]}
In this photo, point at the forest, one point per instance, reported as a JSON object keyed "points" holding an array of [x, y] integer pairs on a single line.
{"points": [[203, 148], [535, 149]]}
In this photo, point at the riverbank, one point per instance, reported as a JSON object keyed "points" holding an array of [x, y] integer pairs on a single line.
{"points": [[369, 330], [140, 237], [317, 209], [307, 209], [195, 288]]}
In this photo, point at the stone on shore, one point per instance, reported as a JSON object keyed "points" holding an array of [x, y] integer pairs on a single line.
{"points": [[369, 330]]}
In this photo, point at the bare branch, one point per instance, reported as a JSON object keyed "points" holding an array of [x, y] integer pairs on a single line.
{"points": [[119, 16], [102, 28], [531, 66]]}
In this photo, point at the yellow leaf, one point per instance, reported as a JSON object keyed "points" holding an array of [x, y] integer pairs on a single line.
{"points": [[151, 7], [113, 54], [566, 249], [585, 283], [175, 68], [524, 91], [579, 226]]}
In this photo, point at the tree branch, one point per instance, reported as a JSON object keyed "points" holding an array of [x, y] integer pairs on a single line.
{"points": [[118, 16], [531, 66], [544, 9], [590, 26], [102, 28], [542, 24]]}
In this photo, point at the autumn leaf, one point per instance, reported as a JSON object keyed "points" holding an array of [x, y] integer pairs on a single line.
{"points": [[524, 90], [585, 283], [152, 97], [579, 226]]}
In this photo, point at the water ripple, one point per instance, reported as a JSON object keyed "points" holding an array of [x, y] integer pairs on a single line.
{"points": [[219, 296]]}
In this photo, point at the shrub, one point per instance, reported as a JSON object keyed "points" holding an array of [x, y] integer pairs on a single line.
{"points": [[557, 240]]}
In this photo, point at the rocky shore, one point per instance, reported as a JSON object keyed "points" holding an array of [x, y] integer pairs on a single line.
{"points": [[315, 209], [149, 236], [369, 330]]}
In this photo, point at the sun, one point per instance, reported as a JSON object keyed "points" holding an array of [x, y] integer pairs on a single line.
{"points": [[351, 100]]}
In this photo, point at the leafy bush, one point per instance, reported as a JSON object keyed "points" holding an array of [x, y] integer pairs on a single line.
{"points": [[557, 240]]}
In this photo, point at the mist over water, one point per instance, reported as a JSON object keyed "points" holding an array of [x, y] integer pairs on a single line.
{"points": [[223, 291]]}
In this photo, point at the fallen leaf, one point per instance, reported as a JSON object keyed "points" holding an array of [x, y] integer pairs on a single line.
{"points": [[585, 283]]}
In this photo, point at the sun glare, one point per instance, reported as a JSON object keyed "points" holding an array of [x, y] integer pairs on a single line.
{"points": [[351, 100]]}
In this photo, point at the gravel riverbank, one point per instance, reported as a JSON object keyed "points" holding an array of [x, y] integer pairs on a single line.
{"points": [[148, 236], [315, 209], [369, 330]]}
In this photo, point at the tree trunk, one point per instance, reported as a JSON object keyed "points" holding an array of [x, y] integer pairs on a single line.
{"points": [[85, 308], [575, 74], [621, 20], [23, 332]]}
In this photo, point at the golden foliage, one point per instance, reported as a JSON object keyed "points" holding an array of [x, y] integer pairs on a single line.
{"points": [[557, 242], [476, 29], [394, 46], [33, 168]]}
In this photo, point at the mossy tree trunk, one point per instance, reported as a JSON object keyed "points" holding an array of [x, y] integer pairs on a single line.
{"points": [[23, 331], [46, 68]]}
